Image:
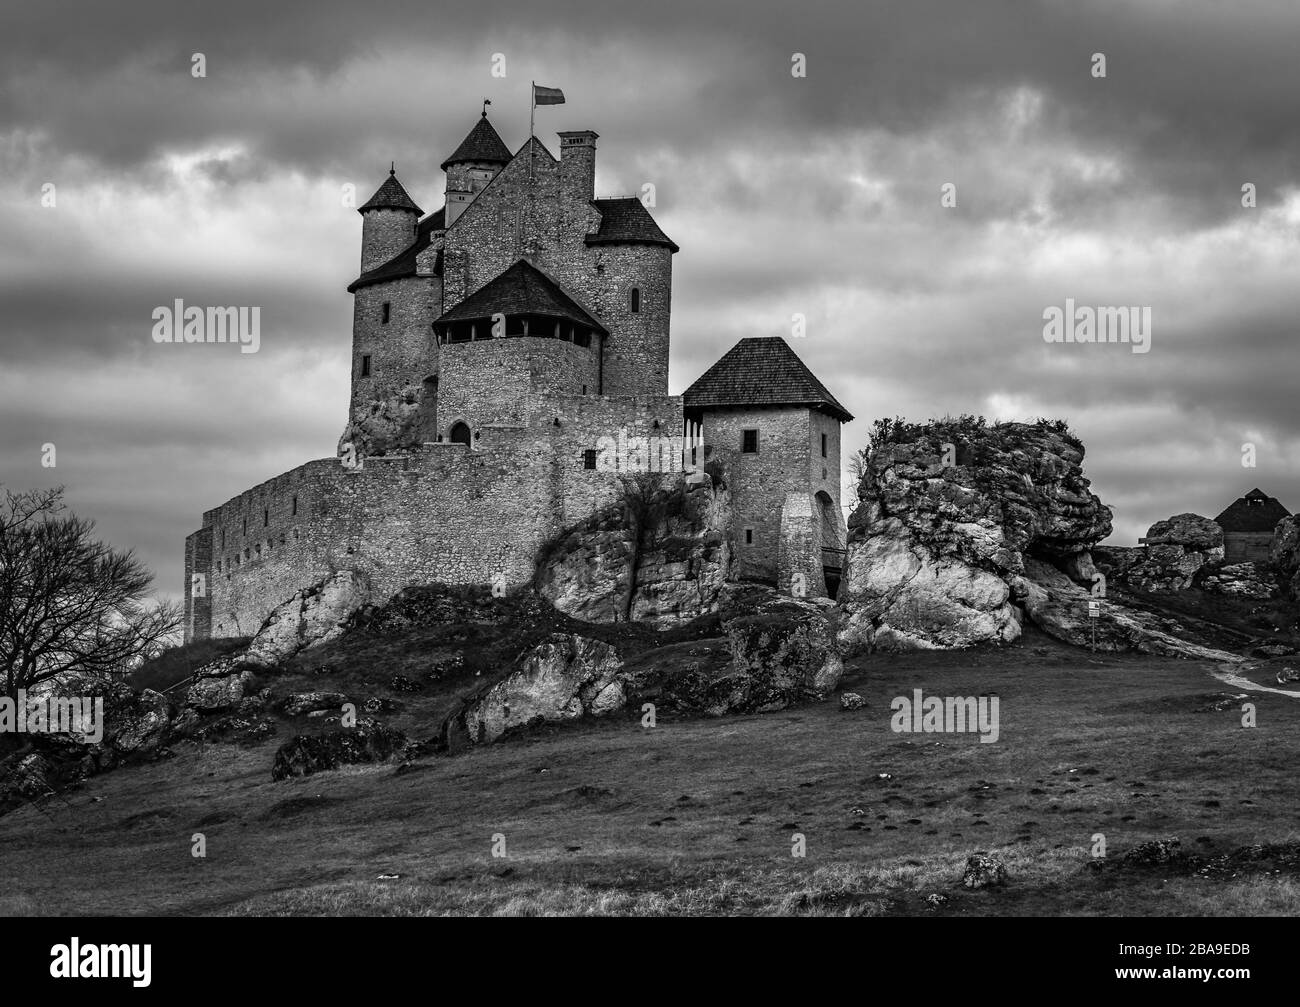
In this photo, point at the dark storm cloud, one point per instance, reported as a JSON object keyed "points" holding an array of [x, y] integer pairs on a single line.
{"points": [[816, 196]]}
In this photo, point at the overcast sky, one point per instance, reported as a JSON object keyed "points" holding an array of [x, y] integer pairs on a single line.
{"points": [[817, 195]]}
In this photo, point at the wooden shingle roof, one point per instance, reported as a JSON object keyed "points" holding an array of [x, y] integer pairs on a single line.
{"points": [[390, 196], [402, 265], [523, 289], [626, 221], [1255, 512], [483, 143], [762, 371]]}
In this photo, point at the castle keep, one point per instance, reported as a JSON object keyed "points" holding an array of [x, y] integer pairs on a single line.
{"points": [[499, 345]]}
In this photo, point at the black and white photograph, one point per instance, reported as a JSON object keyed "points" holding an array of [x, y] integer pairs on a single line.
{"points": [[672, 460]]}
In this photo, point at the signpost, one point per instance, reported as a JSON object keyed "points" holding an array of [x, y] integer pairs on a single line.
{"points": [[1094, 613]]}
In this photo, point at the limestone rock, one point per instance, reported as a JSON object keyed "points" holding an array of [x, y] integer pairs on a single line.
{"points": [[898, 595], [671, 568], [308, 702], [949, 512], [983, 870], [144, 728], [210, 695], [1284, 553], [1060, 607], [562, 678], [1242, 580], [1176, 549], [311, 617], [306, 754], [851, 701], [783, 652]]}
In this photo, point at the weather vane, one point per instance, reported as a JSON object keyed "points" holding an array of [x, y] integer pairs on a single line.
{"points": [[486, 103]]}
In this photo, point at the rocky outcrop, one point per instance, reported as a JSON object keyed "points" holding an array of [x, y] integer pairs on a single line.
{"points": [[1240, 580], [949, 512], [563, 678], [217, 687], [368, 741], [144, 728], [302, 703], [661, 560], [311, 617], [1060, 607], [1176, 549], [395, 424], [1284, 553]]}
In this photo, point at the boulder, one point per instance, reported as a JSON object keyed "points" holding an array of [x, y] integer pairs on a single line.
{"points": [[983, 870], [30, 776], [301, 703], [666, 569], [306, 754], [898, 595], [783, 652], [311, 617], [563, 678], [1059, 607], [143, 727], [1241, 580], [851, 701], [949, 511], [1176, 550], [211, 695], [1284, 553]]}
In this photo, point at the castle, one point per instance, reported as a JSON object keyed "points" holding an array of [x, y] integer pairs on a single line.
{"points": [[502, 347]]}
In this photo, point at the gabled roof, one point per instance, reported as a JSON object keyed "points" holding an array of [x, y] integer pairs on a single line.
{"points": [[483, 143], [762, 371], [1255, 512], [625, 220], [402, 265], [390, 196], [523, 289]]}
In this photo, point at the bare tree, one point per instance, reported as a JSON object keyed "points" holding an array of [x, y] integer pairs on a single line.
{"points": [[69, 604]]}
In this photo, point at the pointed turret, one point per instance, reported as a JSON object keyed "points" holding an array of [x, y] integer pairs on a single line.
{"points": [[473, 164], [389, 220]]}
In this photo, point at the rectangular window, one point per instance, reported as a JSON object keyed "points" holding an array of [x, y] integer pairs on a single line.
{"points": [[295, 506], [365, 365], [823, 445], [589, 459], [266, 516], [749, 536], [386, 312], [749, 442]]}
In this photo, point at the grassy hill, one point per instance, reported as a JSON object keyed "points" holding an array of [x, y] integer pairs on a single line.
{"points": [[697, 816]]}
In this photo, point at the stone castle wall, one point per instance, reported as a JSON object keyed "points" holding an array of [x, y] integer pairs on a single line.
{"points": [[444, 514]]}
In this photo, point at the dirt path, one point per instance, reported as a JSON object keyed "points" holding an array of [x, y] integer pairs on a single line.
{"points": [[1226, 675]]}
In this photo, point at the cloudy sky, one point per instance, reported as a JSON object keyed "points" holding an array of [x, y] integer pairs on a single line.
{"points": [[817, 195]]}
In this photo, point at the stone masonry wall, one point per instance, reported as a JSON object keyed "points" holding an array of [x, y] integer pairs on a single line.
{"points": [[759, 482], [444, 514]]}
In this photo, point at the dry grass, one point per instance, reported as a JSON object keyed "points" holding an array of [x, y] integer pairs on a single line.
{"points": [[696, 817]]}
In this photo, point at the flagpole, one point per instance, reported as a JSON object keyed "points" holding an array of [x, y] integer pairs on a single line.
{"points": [[532, 112]]}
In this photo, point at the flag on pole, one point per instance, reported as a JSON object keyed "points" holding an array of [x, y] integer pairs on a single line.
{"points": [[547, 95]]}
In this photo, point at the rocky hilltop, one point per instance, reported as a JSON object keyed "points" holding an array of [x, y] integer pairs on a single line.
{"points": [[949, 513]]}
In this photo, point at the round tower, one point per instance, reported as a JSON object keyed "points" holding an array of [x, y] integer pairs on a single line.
{"points": [[389, 220]]}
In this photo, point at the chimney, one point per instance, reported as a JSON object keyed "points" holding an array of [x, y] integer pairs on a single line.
{"points": [[578, 165]]}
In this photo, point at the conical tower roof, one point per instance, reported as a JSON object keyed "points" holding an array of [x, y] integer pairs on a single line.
{"points": [[390, 196], [482, 144]]}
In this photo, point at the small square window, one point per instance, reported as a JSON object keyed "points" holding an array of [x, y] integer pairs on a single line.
{"points": [[749, 442], [823, 446], [749, 536], [387, 312], [589, 459], [365, 365]]}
